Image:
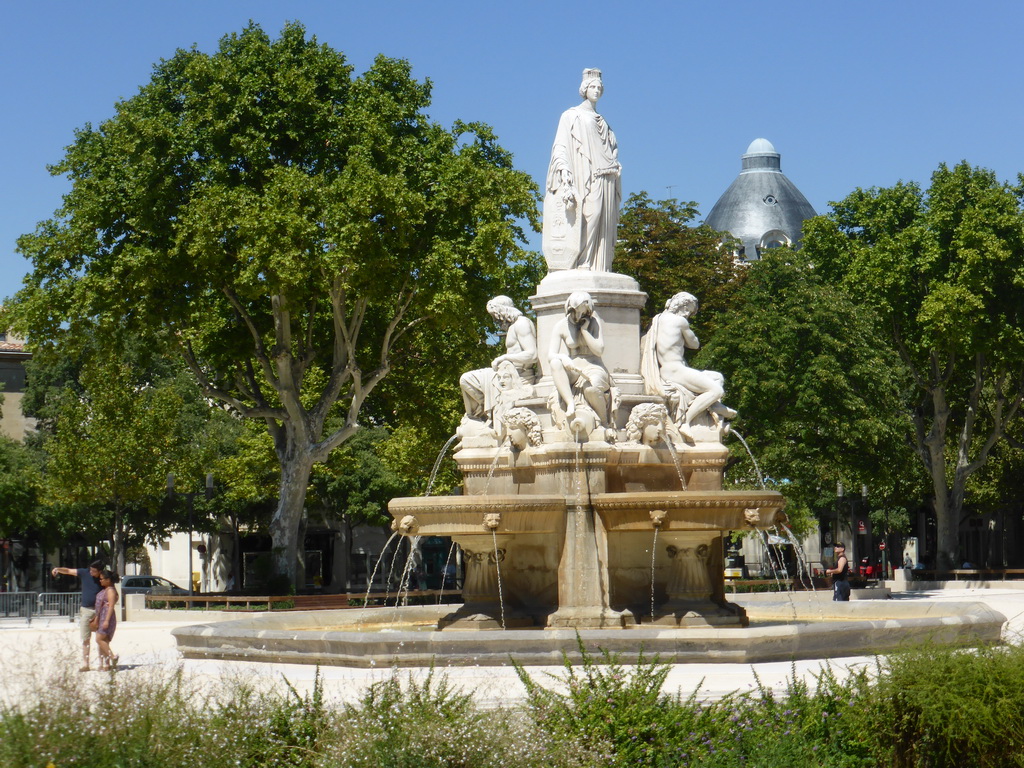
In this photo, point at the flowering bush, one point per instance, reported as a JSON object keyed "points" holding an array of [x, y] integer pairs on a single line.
{"points": [[928, 708]]}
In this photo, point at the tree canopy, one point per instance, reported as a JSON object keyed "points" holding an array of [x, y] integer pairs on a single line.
{"points": [[819, 398], [944, 269], [659, 247], [295, 232], [20, 487]]}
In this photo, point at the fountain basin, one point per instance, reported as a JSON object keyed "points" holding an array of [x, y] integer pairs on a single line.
{"points": [[819, 630], [599, 560], [469, 515], [688, 510]]}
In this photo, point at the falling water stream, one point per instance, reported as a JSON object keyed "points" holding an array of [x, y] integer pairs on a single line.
{"points": [[757, 469], [444, 571], [803, 569], [403, 582], [776, 564], [676, 461], [437, 463], [654, 552], [494, 464], [391, 570], [497, 565], [369, 584], [430, 487]]}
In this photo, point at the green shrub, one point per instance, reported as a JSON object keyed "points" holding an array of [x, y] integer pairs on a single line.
{"points": [[940, 707], [431, 724], [149, 721], [928, 708], [268, 728], [606, 707], [797, 727]]}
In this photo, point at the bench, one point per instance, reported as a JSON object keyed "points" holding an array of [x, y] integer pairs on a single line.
{"points": [[294, 602], [967, 574]]}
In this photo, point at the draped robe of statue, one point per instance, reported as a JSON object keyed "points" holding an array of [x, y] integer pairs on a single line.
{"points": [[582, 237]]}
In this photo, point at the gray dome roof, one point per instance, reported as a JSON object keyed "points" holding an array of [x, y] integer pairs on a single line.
{"points": [[761, 207], [761, 147]]}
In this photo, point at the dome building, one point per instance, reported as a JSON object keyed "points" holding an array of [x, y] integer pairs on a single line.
{"points": [[761, 208]]}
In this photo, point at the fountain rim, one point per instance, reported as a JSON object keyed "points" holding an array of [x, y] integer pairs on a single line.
{"points": [[852, 631]]}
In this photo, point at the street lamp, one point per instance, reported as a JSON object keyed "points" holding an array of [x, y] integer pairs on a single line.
{"points": [[191, 513], [854, 527]]}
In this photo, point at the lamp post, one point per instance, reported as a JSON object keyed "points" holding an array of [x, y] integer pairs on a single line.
{"points": [[191, 497], [840, 491], [854, 527]]}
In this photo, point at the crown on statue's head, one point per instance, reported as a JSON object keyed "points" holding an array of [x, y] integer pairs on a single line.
{"points": [[591, 74]]}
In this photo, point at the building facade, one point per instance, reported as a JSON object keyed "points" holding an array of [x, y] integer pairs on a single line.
{"points": [[13, 423]]}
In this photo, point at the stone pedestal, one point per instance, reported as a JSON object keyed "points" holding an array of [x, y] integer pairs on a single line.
{"points": [[617, 301], [583, 575], [486, 606]]}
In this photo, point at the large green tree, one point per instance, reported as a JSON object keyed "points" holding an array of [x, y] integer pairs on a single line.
{"points": [[944, 268], [819, 398], [295, 231], [660, 246]]}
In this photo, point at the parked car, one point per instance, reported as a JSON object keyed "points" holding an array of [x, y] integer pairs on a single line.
{"points": [[149, 585]]}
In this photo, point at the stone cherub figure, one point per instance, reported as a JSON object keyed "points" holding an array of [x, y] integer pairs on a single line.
{"points": [[665, 372], [575, 353], [511, 374], [583, 187]]}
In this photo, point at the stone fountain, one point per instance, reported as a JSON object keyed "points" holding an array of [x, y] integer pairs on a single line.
{"points": [[592, 508], [592, 462]]}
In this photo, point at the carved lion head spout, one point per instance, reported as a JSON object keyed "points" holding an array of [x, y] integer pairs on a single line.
{"points": [[753, 517], [658, 517], [492, 520], [408, 525]]}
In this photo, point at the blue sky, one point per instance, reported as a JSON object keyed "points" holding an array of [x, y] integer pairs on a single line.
{"points": [[852, 94]]}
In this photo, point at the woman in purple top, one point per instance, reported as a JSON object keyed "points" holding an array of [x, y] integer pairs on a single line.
{"points": [[107, 615]]}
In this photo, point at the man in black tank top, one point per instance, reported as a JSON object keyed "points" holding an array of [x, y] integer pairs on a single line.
{"points": [[840, 574]]}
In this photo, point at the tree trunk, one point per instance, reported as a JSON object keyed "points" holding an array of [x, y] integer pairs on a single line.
{"points": [[119, 548], [284, 525], [119, 552], [236, 579], [947, 523], [947, 512]]}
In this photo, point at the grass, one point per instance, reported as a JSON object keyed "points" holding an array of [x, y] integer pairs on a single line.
{"points": [[924, 708]]}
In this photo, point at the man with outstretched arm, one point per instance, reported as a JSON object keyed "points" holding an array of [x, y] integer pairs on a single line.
{"points": [[90, 580]]}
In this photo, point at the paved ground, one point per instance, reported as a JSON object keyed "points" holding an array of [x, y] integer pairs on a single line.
{"points": [[28, 656]]}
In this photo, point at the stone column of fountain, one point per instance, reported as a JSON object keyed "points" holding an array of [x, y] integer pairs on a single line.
{"points": [[595, 459]]}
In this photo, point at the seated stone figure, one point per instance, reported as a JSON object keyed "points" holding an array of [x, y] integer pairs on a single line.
{"points": [[690, 391], [577, 344], [481, 387]]}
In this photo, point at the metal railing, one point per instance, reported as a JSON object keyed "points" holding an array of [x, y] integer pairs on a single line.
{"points": [[26, 606]]}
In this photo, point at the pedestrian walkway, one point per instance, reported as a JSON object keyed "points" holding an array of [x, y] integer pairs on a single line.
{"points": [[28, 655]]}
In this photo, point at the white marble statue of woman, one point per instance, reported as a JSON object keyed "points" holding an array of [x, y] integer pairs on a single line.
{"points": [[584, 188]]}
